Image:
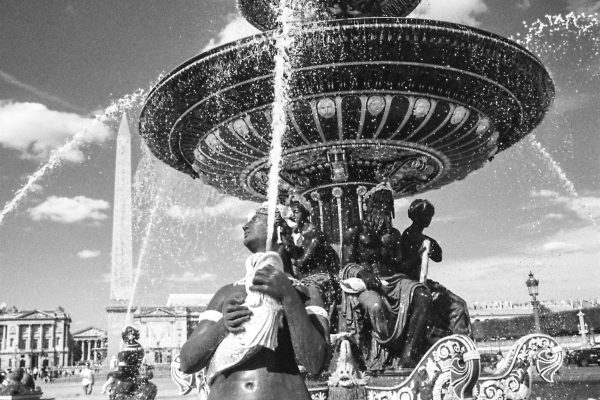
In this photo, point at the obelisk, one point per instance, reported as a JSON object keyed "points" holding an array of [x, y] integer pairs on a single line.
{"points": [[121, 277]]}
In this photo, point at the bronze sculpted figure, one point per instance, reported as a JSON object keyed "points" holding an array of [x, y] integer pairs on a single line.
{"points": [[314, 262], [449, 313], [131, 380], [255, 332], [386, 308]]}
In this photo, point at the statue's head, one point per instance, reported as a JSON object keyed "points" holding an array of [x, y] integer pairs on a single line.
{"points": [[130, 334], [421, 212], [300, 207], [379, 207], [256, 231]]}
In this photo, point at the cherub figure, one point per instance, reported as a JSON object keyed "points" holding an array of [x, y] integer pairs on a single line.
{"points": [[314, 262]]}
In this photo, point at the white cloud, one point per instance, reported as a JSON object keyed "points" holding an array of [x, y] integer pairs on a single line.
{"points": [[70, 210], [36, 131], [189, 276], [201, 259], [229, 207], [36, 188], [503, 276], [583, 6], [40, 93], [236, 28], [555, 216], [458, 11], [566, 102], [586, 239], [586, 208], [544, 193], [524, 4], [401, 206], [560, 247], [86, 254]]}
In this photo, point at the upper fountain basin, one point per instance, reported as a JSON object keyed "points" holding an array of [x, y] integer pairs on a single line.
{"points": [[419, 103], [263, 13]]}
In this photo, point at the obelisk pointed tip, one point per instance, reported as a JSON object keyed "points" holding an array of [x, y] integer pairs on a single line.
{"points": [[124, 126]]}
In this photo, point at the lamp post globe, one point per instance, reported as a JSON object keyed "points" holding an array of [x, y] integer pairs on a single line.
{"points": [[532, 285]]}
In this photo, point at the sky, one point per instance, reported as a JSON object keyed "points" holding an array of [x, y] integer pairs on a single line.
{"points": [[535, 207]]}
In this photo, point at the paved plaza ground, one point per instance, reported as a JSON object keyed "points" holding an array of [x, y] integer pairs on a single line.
{"points": [[573, 383], [72, 389]]}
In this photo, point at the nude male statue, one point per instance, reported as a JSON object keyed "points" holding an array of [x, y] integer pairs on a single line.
{"points": [[270, 371], [449, 313]]}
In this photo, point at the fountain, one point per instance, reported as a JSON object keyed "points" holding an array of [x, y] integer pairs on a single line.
{"points": [[132, 378], [370, 97], [16, 389]]}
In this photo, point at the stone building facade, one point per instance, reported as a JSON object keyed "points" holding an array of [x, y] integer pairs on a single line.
{"points": [[163, 330], [89, 345], [34, 338]]}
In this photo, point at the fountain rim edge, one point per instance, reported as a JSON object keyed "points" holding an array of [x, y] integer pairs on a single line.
{"points": [[346, 23]]}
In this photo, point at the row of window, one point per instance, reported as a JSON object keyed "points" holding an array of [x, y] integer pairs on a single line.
{"points": [[34, 343], [24, 335]]}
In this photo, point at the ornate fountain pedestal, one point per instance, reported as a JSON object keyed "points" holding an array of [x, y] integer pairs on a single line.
{"points": [[14, 389], [513, 376], [450, 370]]}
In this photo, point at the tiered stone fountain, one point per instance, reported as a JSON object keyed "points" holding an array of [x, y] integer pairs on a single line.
{"points": [[373, 97]]}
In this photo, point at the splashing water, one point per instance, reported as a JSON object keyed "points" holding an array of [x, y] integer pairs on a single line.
{"points": [[553, 165], [570, 47], [55, 159], [111, 114], [141, 257], [581, 27], [283, 42]]}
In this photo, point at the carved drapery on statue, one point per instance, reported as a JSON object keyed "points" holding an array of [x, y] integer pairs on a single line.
{"points": [[397, 292]]}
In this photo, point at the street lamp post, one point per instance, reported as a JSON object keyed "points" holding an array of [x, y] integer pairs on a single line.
{"points": [[532, 287], [583, 329]]}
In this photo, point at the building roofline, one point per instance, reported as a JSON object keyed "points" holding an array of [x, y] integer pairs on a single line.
{"points": [[88, 328]]}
